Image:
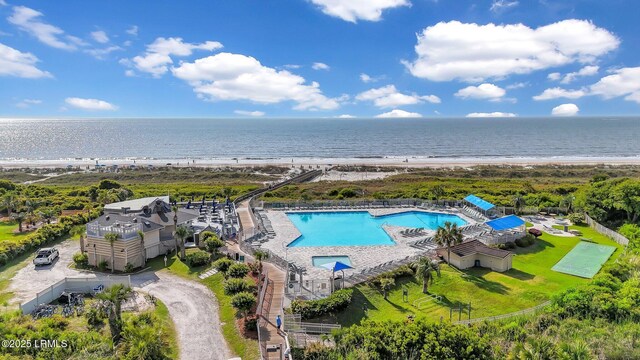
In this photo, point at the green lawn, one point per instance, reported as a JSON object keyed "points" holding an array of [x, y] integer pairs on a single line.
{"points": [[529, 283], [240, 346], [7, 232]]}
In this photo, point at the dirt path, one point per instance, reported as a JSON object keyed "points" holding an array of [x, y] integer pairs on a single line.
{"points": [[194, 312]]}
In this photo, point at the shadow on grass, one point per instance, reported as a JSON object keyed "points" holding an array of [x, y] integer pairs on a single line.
{"points": [[519, 274], [357, 310], [476, 277], [538, 246]]}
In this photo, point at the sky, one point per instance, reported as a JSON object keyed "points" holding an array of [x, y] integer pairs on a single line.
{"points": [[319, 58]]}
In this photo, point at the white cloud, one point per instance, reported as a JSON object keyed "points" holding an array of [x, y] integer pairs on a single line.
{"points": [[133, 30], [345, 116], [157, 57], [622, 82], [3, 3], [472, 52], [354, 10], [397, 113], [90, 104], [490, 115], [100, 36], [19, 64], [320, 66], [556, 93], [129, 73], [28, 20], [588, 70], [101, 53], [554, 76], [388, 96], [484, 91], [565, 110], [499, 5], [227, 76], [26, 103], [292, 66], [518, 85], [250, 113]]}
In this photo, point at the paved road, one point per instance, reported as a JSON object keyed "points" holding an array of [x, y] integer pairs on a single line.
{"points": [[192, 307]]}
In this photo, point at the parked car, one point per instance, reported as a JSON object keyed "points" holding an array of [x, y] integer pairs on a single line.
{"points": [[46, 256]]}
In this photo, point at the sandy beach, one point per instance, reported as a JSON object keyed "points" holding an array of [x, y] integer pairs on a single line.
{"points": [[319, 163]]}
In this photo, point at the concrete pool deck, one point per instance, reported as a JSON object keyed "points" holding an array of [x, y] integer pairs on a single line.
{"points": [[362, 257]]}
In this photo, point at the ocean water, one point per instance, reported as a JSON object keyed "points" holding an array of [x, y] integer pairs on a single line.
{"points": [[359, 228], [50, 139]]}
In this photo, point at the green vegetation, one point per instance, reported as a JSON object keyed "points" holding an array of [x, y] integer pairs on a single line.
{"points": [[146, 335], [238, 270], [243, 302], [309, 309], [529, 283], [197, 258]]}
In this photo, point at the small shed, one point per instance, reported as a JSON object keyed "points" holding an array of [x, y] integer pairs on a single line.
{"points": [[475, 253]]}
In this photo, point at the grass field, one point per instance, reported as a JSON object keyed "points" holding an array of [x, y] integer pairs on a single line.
{"points": [[529, 283], [7, 231]]}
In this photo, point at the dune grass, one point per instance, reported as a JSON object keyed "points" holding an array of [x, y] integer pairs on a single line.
{"points": [[529, 283]]}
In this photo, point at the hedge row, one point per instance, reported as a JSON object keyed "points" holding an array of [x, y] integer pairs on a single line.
{"points": [[44, 235], [310, 309]]}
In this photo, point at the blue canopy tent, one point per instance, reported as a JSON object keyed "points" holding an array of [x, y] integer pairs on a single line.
{"points": [[504, 223], [481, 204], [336, 266]]}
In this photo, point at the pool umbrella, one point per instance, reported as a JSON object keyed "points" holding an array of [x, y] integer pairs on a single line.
{"points": [[336, 266]]}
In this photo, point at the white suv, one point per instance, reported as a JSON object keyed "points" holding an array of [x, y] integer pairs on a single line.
{"points": [[46, 256]]}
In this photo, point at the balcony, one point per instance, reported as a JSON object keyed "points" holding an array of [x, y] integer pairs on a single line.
{"points": [[125, 231]]}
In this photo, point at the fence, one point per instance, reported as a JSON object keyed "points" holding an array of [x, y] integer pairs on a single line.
{"points": [[82, 285], [505, 316], [606, 231]]}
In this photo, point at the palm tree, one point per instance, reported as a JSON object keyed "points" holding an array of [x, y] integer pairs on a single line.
{"points": [[386, 283], [111, 238], [518, 202], [175, 225], [438, 192], [424, 271], [79, 231], [567, 202], [19, 217], [46, 215], [447, 236], [114, 296], [144, 251], [9, 202], [182, 232], [260, 255]]}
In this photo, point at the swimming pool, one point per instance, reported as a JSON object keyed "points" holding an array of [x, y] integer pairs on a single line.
{"points": [[359, 228]]}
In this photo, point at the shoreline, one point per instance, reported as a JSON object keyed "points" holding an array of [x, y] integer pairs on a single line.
{"points": [[399, 162]]}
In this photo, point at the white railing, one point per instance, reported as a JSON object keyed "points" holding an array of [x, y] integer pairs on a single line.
{"points": [[124, 230]]}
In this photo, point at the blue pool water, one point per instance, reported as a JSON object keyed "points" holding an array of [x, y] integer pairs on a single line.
{"points": [[318, 261], [359, 228]]}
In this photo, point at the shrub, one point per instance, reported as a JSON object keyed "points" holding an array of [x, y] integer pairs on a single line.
{"points": [[238, 270], [526, 241], [348, 193], [128, 268], [243, 302], [509, 245], [251, 324], [234, 286], [103, 265], [223, 264], [213, 243], [108, 184], [309, 309], [197, 258], [81, 259], [576, 218], [3, 259]]}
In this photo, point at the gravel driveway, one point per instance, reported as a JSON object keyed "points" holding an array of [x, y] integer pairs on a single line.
{"points": [[192, 306]]}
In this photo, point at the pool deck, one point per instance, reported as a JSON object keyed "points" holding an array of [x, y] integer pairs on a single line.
{"points": [[361, 256]]}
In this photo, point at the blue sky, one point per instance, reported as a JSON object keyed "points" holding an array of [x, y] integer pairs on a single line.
{"points": [[318, 58]]}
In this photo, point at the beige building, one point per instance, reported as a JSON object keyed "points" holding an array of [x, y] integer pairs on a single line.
{"points": [[475, 253], [152, 216]]}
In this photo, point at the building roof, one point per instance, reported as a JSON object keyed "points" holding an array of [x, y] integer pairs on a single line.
{"points": [[480, 203], [111, 219], [506, 222], [184, 215], [474, 247], [136, 205]]}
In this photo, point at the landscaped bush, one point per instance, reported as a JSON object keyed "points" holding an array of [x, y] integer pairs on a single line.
{"points": [[509, 245], [223, 264], [212, 243], [238, 270], [576, 218], [234, 286], [310, 309], [402, 271], [198, 258], [81, 259], [243, 302], [103, 265], [526, 241], [128, 268], [251, 324]]}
